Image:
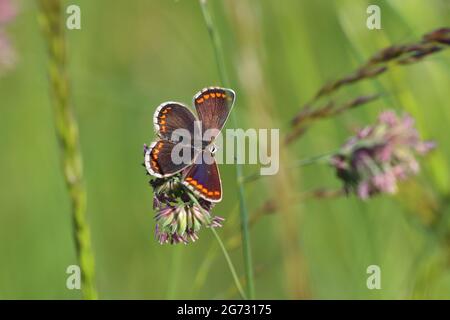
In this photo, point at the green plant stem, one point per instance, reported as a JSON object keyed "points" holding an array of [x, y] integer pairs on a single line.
{"points": [[217, 44], [323, 158], [52, 25], [222, 247], [246, 247], [230, 264]]}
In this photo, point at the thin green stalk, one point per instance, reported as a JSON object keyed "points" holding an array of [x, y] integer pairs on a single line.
{"points": [[224, 249], [230, 264], [323, 158], [52, 26], [217, 46]]}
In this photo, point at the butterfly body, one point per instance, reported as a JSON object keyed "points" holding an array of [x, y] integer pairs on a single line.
{"points": [[183, 136]]}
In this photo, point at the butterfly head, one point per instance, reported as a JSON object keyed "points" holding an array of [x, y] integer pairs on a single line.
{"points": [[212, 148]]}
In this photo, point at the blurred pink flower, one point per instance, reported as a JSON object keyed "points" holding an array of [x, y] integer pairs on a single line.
{"points": [[379, 156], [8, 12], [7, 53]]}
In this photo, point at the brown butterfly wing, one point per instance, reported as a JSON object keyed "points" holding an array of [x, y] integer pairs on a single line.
{"points": [[159, 158], [213, 107], [172, 116], [203, 178]]}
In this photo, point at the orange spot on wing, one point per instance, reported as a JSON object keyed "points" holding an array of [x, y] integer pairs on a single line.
{"points": [[188, 179], [210, 193], [216, 193], [163, 122], [206, 96], [213, 95], [200, 100]]}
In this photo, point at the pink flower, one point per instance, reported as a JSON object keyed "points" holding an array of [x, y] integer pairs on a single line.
{"points": [[7, 53], [8, 12], [379, 156], [179, 218]]}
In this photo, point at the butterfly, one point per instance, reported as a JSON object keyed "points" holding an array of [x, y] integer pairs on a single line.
{"points": [[200, 172]]}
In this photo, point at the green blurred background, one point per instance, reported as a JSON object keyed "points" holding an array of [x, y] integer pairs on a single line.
{"points": [[132, 55]]}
